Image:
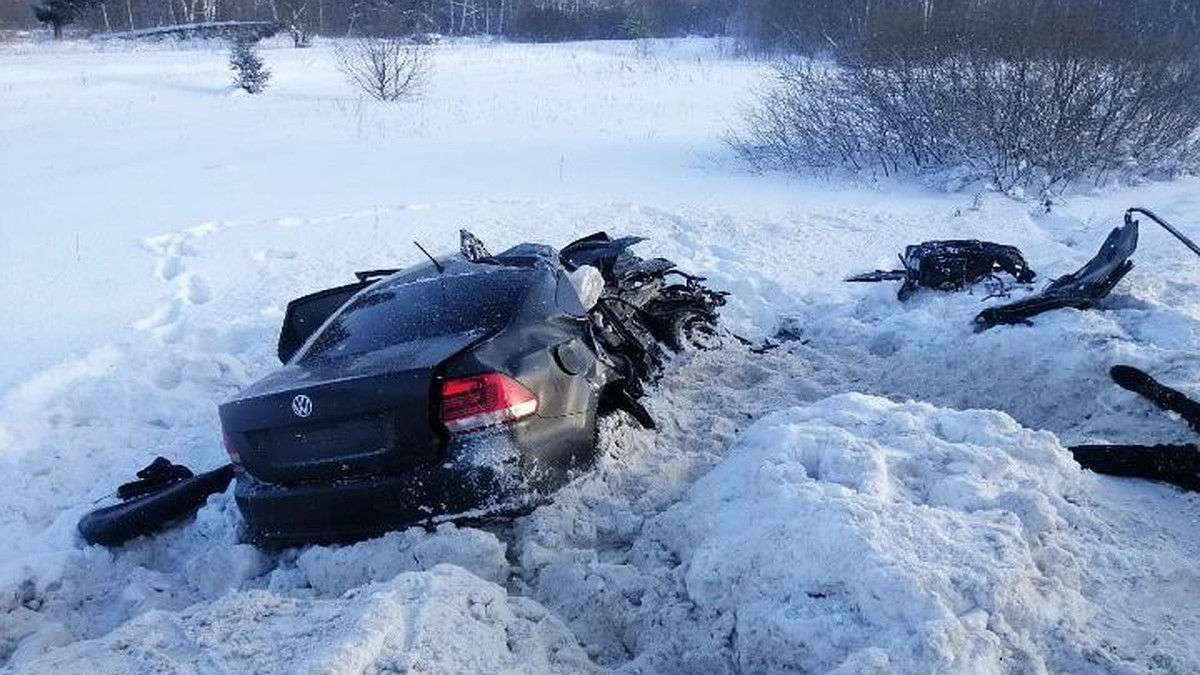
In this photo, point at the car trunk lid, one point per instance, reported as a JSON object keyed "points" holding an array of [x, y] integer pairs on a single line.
{"points": [[345, 416]]}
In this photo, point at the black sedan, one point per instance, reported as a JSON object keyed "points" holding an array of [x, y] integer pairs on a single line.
{"points": [[464, 387]]}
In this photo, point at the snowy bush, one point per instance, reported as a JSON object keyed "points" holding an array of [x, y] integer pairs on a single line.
{"points": [[388, 69], [1030, 117], [249, 72]]}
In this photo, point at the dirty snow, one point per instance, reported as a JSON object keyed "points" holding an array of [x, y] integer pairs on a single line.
{"points": [[888, 492]]}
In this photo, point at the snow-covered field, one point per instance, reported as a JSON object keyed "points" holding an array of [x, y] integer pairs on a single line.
{"points": [[888, 493]]}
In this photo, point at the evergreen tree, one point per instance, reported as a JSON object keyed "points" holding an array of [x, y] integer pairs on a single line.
{"points": [[59, 13], [249, 72]]}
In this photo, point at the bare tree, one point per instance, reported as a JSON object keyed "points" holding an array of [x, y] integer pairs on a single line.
{"points": [[293, 16], [1055, 101], [388, 69]]}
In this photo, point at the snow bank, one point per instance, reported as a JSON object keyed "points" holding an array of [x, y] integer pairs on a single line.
{"points": [[445, 620], [858, 535], [850, 535]]}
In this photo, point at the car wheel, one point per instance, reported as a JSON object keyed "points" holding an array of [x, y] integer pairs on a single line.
{"points": [[692, 330]]}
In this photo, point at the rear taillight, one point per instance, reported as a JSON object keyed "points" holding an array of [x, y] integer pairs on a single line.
{"points": [[472, 403], [231, 449]]}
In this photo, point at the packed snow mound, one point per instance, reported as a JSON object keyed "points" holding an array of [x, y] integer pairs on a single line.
{"points": [[445, 620], [860, 535], [333, 570], [92, 595]]}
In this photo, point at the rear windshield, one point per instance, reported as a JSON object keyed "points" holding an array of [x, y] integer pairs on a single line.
{"points": [[394, 313]]}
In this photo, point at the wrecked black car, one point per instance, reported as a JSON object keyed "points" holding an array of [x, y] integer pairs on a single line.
{"points": [[463, 387]]}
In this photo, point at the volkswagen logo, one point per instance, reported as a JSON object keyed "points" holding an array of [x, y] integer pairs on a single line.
{"points": [[302, 405]]}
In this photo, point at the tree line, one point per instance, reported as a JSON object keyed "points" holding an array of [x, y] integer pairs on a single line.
{"points": [[518, 19], [834, 26], [769, 26]]}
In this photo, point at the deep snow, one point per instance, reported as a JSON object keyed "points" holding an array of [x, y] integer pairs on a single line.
{"points": [[887, 493]]}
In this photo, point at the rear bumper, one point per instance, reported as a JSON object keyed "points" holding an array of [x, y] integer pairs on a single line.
{"points": [[355, 509], [486, 480], [494, 473]]}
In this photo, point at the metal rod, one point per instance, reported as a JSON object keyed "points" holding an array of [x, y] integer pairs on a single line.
{"points": [[1166, 226]]}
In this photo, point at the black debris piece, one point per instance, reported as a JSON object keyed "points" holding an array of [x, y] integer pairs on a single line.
{"points": [[1177, 464], [952, 265], [1172, 400], [151, 511], [157, 475], [1080, 289]]}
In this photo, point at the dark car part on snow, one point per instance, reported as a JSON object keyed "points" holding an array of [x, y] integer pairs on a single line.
{"points": [[1172, 400], [464, 387], [1080, 289], [157, 475], [956, 264], [166, 493], [1089, 284], [1178, 464], [952, 265]]}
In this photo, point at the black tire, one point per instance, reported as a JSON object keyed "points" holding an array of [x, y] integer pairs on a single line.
{"points": [[117, 524], [693, 330]]}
